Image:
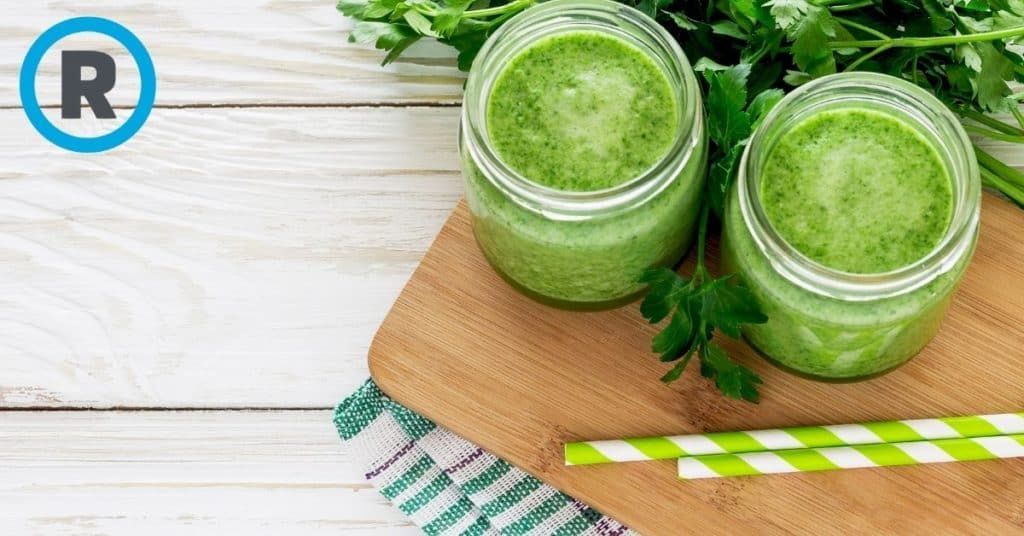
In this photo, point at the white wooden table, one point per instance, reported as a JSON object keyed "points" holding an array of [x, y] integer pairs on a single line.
{"points": [[178, 316]]}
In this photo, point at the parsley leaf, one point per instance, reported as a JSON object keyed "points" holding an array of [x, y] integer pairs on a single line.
{"points": [[726, 306], [681, 21], [811, 34], [697, 308], [732, 379], [652, 7], [789, 13], [666, 290], [720, 178], [731, 122], [676, 337], [384, 35], [447, 21], [763, 103], [728, 123], [995, 71]]}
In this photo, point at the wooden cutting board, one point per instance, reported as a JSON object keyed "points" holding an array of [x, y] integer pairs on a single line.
{"points": [[520, 379]]}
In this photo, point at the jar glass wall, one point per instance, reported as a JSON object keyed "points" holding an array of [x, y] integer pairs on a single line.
{"points": [[571, 248], [833, 324]]}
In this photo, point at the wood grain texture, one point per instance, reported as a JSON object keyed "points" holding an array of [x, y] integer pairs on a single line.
{"points": [[520, 379], [222, 258], [233, 51], [173, 473]]}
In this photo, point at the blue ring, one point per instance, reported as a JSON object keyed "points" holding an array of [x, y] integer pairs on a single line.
{"points": [[30, 67]]}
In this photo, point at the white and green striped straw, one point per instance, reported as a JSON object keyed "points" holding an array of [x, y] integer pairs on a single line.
{"points": [[831, 458], [802, 437]]}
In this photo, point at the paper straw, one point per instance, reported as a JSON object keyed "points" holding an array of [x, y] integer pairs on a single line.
{"points": [[672, 447], [832, 458]]}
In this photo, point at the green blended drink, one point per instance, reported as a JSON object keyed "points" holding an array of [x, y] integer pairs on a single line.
{"points": [[853, 220], [857, 191], [581, 111], [583, 148]]}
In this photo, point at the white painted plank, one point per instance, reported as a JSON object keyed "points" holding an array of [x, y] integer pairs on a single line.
{"points": [[1011, 154], [233, 51], [172, 473], [222, 258]]}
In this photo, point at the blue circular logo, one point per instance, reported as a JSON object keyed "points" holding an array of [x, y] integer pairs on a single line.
{"points": [[30, 68]]}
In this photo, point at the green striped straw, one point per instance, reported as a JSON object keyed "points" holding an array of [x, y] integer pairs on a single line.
{"points": [[876, 455], [802, 437]]}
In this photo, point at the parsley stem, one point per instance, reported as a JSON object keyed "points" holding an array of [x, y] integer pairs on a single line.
{"points": [[999, 176], [756, 56], [1018, 115], [926, 42], [994, 134], [700, 271], [992, 180], [829, 3], [992, 122], [518, 5], [852, 6], [857, 26], [867, 57], [998, 166]]}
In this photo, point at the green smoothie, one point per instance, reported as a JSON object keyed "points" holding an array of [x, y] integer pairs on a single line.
{"points": [[857, 191], [581, 111], [584, 111]]}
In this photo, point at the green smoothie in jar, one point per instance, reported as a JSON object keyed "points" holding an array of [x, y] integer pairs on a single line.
{"points": [[583, 149], [852, 221], [581, 111], [857, 191]]}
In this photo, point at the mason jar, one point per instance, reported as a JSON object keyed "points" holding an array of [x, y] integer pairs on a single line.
{"points": [[832, 324], [583, 249]]}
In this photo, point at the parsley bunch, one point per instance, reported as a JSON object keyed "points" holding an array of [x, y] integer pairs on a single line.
{"points": [[963, 51], [394, 25], [696, 307], [960, 50]]}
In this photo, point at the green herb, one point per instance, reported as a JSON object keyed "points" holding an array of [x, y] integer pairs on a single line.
{"points": [[696, 308], [731, 121], [394, 25], [700, 305], [960, 50]]}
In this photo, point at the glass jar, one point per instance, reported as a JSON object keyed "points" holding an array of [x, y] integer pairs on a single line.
{"points": [[835, 325], [583, 249]]}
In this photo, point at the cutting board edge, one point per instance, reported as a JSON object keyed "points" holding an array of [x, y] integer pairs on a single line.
{"points": [[377, 347]]}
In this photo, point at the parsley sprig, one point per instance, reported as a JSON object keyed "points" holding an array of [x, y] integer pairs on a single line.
{"points": [[395, 25], [697, 307], [701, 305]]}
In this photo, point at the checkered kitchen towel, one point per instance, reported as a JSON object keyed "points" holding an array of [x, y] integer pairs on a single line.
{"points": [[447, 485]]}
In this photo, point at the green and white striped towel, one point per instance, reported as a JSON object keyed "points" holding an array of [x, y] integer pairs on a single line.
{"points": [[447, 485]]}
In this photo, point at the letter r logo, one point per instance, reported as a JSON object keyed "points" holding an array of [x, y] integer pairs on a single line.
{"points": [[93, 85], [73, 87]]}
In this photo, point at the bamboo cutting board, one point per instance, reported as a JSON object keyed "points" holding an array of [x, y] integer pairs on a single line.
{"points": [[520, 379]]}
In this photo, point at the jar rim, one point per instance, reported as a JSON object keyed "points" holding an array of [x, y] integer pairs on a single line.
{"points": [[560, 16], [885, 93]]}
